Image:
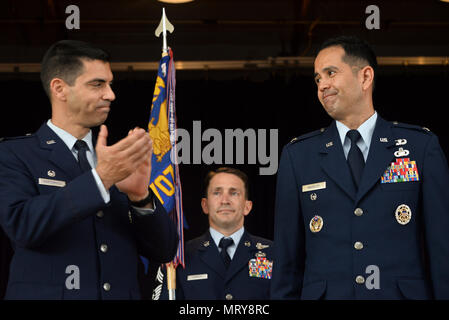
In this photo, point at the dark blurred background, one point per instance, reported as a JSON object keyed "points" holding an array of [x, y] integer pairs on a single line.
{"points": [[270, 45]]}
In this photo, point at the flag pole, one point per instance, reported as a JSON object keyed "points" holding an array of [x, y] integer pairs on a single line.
{"points": [[163, 27]]}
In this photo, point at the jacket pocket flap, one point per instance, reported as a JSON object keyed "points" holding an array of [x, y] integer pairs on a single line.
{"points": [[314, 290], [415, 289]]}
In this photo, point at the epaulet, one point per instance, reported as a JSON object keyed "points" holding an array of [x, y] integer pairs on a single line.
{"points": [[307, 135], [28, 135], [410, 126]]}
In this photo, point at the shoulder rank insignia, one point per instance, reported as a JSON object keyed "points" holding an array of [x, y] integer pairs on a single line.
{"points": [[308, 135], [28, 135], [410, 126]]}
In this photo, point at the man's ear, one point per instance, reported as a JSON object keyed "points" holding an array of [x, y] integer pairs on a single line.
{"points": [[58, 88], [367, 77], [248, 207], [204, 206]]}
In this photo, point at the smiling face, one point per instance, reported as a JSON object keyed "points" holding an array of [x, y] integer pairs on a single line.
{"points": [[340, 85], [89, 99], [226, 203]]}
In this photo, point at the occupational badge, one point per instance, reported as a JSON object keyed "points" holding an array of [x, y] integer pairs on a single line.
{"points": [[261, 246], [316, 224], [260, 267], [401, 153], [403, 214]]}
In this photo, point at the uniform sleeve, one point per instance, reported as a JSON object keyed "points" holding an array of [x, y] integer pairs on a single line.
{"points": [[29, 218], [288, 262], [435, 201], [156, 234]]}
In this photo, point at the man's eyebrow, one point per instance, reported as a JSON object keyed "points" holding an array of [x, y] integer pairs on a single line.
{"points": [[326, 69], [97, 80]]}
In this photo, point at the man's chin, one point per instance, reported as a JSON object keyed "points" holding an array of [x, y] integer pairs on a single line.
{"points": [[332, 111], [97, 122]]}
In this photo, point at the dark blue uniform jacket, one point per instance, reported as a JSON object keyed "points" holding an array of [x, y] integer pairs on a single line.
{"points": [[362, 251], [57, 221]]}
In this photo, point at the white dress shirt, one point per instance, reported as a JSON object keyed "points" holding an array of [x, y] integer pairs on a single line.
{"points": [[236, 236], [366, 130], [70, 140]]}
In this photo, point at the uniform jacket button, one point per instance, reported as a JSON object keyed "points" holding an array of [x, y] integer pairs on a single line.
{"points": [[358, 212], [100, 214], [106, 286], [104, 248], [229, 296], [360, 279], [358, 245]]}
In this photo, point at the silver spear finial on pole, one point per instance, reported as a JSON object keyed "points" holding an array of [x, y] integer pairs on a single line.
{"points": [[164, 25]]}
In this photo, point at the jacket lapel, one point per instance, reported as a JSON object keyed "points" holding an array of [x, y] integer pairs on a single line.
{"points": [[58, 152], [208, 253], [245, 251], [380, 156], [333, 160]]}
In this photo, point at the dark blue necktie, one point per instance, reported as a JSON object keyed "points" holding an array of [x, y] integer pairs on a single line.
{"points": [[224, 245], [81, 147], [355, 160]]}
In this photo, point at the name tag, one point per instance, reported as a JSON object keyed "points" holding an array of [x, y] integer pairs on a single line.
{"points": [[50, 182], [201, 276], [314, 186]]}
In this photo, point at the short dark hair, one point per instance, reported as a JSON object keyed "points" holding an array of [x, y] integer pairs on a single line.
{"points": [[233, 171], [357, 51], [64, 60]]}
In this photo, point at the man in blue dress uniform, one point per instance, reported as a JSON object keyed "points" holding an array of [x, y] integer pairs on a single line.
{"points": [[78, 216], [362, 207], [226, 262]]}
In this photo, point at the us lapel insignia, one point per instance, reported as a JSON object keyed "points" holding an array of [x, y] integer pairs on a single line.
{"points": [[50, 141], [383, 139], [403, 214], [403, 170], [247, 244], [329, 144], [206, 243]]}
